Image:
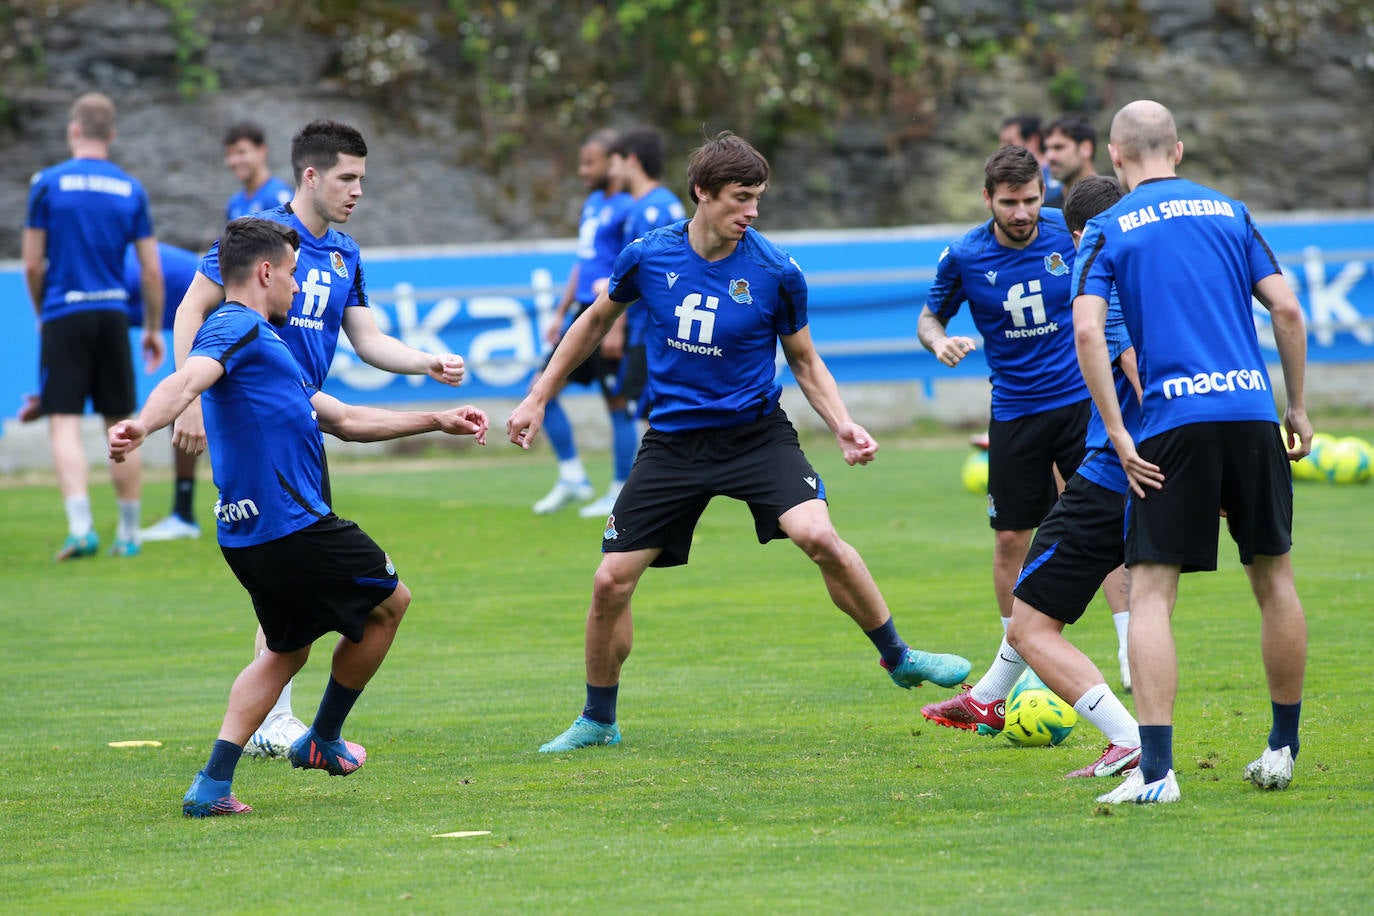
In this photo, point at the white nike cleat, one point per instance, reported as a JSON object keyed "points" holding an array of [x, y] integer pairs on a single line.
{"points": [[1136, 790], [275, 737], [1273, 770]]}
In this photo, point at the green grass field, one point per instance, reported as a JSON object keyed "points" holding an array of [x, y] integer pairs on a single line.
{"points": [[769, 764]]}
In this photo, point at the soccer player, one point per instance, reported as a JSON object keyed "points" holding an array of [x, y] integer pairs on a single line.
{"points": [[245, 154], [1185, 262], [719, 299], [600, 236], [1013, 271], [1079, 543], [308, 571], [1070, 142], [1024, 130], [330, 161], [82, 215]]}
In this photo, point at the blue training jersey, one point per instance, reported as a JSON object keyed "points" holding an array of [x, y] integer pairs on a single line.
{"points": [[91, 211], [178, 270], [1100, 462], [1184, 260], [330, 272], [711, 327], [1019, 300], [659, 207], [600, 236], [273, 193], [266, 449]]}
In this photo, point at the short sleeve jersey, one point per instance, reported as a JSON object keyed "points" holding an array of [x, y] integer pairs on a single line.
{"points": [[1101, 464], [659, 207], [600, 236], [91, 211], [273, 193], [178, 270], [1019, 301], [711, 327], [1184, 260], [330, 273], [266, 449]]}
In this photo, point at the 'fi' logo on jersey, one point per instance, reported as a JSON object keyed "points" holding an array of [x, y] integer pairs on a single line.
{"points": [[336, 261], [739, 291], [1054, 263]]}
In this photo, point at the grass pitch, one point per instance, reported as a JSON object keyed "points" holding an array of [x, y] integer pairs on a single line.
{"points": [[769, 764]]}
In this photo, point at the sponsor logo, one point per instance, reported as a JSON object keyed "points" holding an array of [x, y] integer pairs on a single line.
{"points": [[336, 262], [695, 310], [739, 291], [1054, 263], [1025, 298], [810, 481], [1214, 383], [701, 349], [1169, 209], [230, 512], [672, 278], [314, 324], [992, 277]]}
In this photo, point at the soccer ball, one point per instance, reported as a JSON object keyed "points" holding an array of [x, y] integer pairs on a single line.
{"points": [[1347, 460], [1035, 717], [975, 473], [1321, 447]]}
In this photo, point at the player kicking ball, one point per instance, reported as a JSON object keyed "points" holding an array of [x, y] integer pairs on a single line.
{"points": [[308, 571]]}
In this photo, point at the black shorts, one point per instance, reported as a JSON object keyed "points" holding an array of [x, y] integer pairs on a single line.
{"points": [[324, 578], [676, 474], [86, 355], [1238, 466], [1021, 486], [1075, 547]]}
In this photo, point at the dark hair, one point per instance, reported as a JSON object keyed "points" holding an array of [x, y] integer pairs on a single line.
{"points": [[1074, 126], [1011, 165], [723, 160], [1028, 125], [319, 144], [646, 145], [245, 130], [248, 241], [1089, 197]]}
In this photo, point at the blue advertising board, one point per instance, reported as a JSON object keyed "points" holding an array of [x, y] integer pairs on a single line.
{"points": [[491, 303]]}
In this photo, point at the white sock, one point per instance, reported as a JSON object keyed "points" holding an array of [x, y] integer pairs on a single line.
{"points": [[1122, 620], [78, 515], [570, 470], [129, 511], [1006, 622], [997, 683], [1101, 707]]}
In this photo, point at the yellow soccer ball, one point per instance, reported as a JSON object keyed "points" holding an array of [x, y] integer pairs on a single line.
{"points": [[975, 473]]}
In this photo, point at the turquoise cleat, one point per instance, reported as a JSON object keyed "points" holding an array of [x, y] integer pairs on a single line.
{"points": [[918, 666], [583, 733]]}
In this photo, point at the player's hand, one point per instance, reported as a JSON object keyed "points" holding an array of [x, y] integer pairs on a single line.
{"points": [[188, 430], [1297, 433], [448, 369], [124, 437], [524, 423], [154, 350], [1139, 472], [950, 350], [465, 421], [856, 444]]}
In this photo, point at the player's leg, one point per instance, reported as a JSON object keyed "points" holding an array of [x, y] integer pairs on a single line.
{"points": [[621, 382], [66, 368], [1008, 554], [1116, 592], [127, 476], [70, 468], [279, 728], [572, 484], [1154, 662], [181, 522]]}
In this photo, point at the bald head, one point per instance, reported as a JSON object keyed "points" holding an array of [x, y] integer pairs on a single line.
{"points": [[1144, 130]]}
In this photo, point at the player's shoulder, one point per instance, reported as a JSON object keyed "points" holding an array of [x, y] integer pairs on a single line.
{"points": [[1052, 221], [768, 254], [972, 243], [664, 238]]}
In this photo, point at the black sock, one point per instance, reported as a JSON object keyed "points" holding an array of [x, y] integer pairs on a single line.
{"points": [[601, 704], [335, 706], [1285, 730], [1156, 751], [224, 756], [183, 501], [888, 643]]}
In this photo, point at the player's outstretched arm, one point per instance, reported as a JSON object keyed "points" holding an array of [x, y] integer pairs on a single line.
{"points": [[930, 330], [818, 385], [392, 355], [355, 423], [1290, 336], [202, 297], [166, 402]]}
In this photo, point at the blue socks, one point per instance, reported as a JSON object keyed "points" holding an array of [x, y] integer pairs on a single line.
{"points": [[601, 704], [559, 429], [1285, 730], [890, 646], [624, 443], [224, 756], [1156, 751], [335, 706]]}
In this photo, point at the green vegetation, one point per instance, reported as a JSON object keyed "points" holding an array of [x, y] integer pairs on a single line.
{"points": [[768, 765]]}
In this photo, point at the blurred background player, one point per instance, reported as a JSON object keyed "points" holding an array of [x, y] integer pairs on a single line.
{"points": [[82, 215], [308, 571], [329, 160], [600, 236], [1070, 142], [716, 429], [1024, 130], [245, 154]]}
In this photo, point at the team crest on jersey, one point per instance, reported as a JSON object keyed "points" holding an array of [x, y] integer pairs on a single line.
{"points": [[390, 566], [992, 277], [336, 261], [610, 534], [1054, 263], [739, 291]]}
